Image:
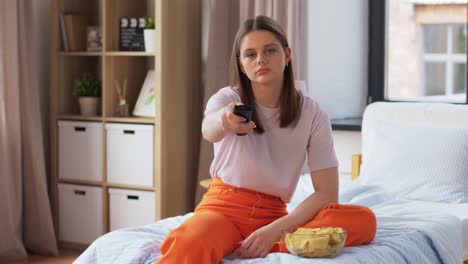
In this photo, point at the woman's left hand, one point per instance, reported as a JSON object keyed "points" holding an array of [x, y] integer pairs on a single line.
{"points": [[259, 243]]}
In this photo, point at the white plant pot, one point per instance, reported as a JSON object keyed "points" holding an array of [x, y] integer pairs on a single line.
{"points": [[150, 40], [89, 106]]}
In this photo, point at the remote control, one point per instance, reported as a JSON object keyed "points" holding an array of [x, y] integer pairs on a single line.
{"points": [[245, 111]]}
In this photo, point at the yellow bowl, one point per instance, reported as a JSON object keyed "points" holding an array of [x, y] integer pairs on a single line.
{"points": [[324, 242]]}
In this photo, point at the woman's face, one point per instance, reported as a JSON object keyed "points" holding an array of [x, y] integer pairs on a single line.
{"points": [[262, 58]]}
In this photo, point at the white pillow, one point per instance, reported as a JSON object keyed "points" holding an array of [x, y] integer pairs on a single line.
{"points": [[418, 161]]}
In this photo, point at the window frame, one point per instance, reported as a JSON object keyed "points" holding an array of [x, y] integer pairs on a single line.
{"points": [[377, 59], [449, 58]]}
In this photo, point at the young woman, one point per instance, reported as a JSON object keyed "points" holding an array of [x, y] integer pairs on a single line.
{"points": [[244, 211]]}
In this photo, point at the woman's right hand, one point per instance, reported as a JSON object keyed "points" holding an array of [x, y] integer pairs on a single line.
{"points": [[234, 123]]}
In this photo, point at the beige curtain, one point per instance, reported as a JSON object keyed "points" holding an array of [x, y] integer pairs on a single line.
{"points": [[224, 18], [25, 221]]}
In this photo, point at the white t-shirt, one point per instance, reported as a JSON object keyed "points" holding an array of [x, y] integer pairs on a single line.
{"points": [[271, 162]]}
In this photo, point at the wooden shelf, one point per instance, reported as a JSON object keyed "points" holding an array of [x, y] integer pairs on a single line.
{"points": [[133, 187], [130, 53], [79, 53], [79, 118], [177, 89], [82, 182], [134, 120]]}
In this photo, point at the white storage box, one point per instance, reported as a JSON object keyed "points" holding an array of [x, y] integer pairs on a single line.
{"points": [[130, 154], [80, 213], [80, 150], [131, 208]]}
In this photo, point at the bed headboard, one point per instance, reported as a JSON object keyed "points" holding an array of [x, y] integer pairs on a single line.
{"points": [[443, 114]]}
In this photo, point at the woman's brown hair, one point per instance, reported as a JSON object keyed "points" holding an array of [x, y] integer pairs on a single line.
{"points": [[290, 102]]}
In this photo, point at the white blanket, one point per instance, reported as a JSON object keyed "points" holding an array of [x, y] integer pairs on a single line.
{"points": [[407, 233]]}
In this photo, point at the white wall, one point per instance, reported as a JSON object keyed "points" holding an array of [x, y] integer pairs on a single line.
{"points": [[337, 55]]}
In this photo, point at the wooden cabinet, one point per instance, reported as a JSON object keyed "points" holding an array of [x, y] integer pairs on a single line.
{"points": [[176, 126]]}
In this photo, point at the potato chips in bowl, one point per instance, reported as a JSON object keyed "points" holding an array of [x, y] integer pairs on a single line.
{"points": [[323, 242]]}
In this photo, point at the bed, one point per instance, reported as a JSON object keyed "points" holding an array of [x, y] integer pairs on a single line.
{"points": [[414, 176]]}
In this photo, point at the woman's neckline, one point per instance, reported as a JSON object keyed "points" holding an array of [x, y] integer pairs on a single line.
{"points": [[266, 107], [237, 91]]}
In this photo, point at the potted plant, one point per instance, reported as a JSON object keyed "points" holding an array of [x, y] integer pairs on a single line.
{"points": [[88, 90], [150, 35]]}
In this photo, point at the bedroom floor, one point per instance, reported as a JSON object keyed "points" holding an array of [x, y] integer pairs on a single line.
{"points": [[66, 256]]}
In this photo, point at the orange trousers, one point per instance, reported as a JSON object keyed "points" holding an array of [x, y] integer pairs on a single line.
{"points": [[227, 215]]}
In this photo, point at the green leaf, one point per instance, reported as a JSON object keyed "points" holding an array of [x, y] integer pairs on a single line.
{"points": [[87, 85], [149, 22]]}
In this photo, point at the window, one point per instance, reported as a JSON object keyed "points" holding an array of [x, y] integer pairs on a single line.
{"points": [[444, 62], [418, 50]]}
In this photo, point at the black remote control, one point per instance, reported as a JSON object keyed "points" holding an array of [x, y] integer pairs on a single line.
{"points": [[245, 111]]}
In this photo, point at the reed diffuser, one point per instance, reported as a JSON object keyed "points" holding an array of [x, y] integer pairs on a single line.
{"points": [[121, 108]]}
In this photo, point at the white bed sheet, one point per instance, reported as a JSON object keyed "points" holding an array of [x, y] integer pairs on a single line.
{"points": [[428, 234], [458, 210]]}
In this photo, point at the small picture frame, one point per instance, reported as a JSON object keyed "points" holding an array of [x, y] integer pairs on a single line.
{"points": [[146, 105], [94, 38]]}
